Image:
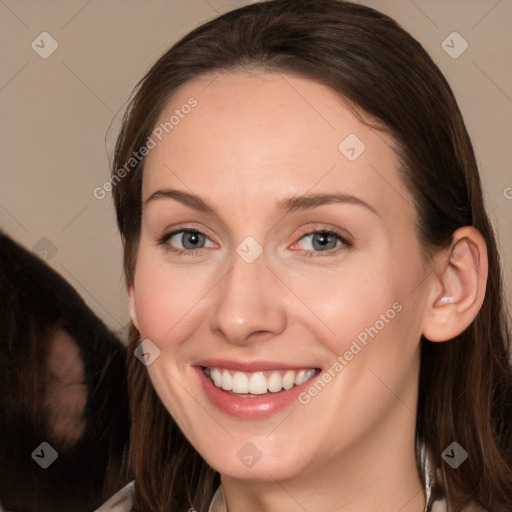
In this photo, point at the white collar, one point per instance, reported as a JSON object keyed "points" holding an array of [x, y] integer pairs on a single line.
{"points": [[122, 501], [218, 503]]}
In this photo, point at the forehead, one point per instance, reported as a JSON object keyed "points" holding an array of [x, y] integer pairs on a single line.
{"points": [[262, 136]]}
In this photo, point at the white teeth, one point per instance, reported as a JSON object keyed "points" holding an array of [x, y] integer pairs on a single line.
{"points": [[227, 381], [289, 379], [300, 376], [240, 383], [216, 376], [257, 383], [303, 376], [275, 382]]}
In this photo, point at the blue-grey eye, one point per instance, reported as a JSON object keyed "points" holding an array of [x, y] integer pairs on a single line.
{"points": [[322, 241], [188, 239]]}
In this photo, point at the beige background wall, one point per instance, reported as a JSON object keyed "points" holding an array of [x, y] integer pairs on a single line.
{"points": [[56, 112]]}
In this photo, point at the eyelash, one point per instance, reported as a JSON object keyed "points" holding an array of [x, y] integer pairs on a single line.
{"points": [[162, 241]]}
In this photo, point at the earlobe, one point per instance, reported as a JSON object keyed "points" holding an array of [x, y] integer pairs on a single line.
{"points": [[133, 313], [459, 290]]}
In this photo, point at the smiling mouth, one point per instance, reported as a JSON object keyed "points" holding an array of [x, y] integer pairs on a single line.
{"points": [[258, 383]]}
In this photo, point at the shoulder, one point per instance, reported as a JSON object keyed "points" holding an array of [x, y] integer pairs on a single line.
{"points": [[121, 501]]}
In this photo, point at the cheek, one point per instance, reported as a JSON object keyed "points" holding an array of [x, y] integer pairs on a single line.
{"points": [[169, 298], [164, 296], [347, 299], [375, 297]]}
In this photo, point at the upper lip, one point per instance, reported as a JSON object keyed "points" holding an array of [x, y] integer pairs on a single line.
{"points": [[251, 366]]}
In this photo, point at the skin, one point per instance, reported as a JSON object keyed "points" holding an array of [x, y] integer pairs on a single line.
{"points": [[254, 139]]}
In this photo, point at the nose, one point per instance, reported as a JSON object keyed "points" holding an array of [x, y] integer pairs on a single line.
{"points": [[249, 302]]}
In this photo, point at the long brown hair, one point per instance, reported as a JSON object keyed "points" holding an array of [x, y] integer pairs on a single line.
{"points": [[465, 388]]}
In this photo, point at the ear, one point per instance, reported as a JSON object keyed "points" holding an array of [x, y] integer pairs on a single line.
{"points": [[458, 289], [133, 309]]}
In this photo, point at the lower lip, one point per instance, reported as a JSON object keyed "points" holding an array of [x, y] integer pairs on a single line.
{"points": [[254, 406]]}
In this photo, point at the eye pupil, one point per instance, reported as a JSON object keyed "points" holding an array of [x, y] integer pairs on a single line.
{"points": [[193, 237], [324, 239]]}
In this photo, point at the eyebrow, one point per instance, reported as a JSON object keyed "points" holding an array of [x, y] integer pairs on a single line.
{"points": [[287, 205]]}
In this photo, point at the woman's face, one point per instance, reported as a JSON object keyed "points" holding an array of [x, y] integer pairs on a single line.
{"points": [[317, 332]]}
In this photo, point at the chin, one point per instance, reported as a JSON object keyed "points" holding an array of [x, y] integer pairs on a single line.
{"points": [[256, 460]]}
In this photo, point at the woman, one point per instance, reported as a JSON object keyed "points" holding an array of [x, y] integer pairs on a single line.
{"points": [[312, 272]]}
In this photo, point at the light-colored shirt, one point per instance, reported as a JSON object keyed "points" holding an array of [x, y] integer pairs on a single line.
{"points": [[122, 502]]}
